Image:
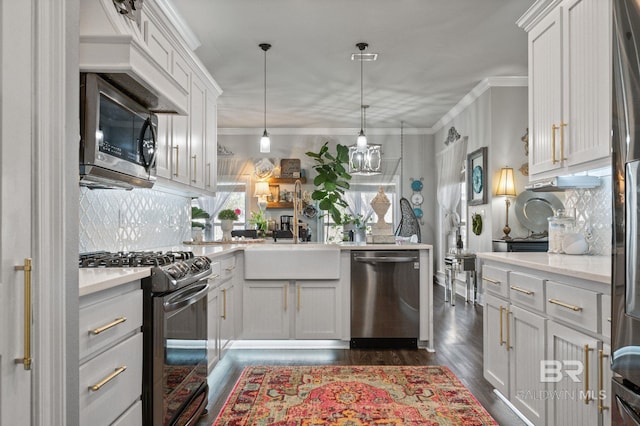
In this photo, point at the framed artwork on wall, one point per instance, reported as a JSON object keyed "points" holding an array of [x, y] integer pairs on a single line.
{"points": [[477, 177]]}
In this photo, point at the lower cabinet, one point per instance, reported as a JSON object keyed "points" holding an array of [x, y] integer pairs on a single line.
{"points": [[514, 342], [282, 309], [226, 329], [110, 324]]}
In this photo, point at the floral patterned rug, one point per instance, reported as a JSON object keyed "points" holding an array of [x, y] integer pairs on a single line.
{"points": [[351, 396]]}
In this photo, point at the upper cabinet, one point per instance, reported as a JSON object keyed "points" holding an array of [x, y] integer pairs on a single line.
{"points": [[153, 56], [569, 85]]}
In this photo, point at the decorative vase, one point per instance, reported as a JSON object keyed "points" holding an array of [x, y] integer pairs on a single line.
{"points": [[227, 226]]}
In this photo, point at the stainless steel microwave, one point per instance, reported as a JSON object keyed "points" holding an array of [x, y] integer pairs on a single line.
{"points": [[117, 137]]}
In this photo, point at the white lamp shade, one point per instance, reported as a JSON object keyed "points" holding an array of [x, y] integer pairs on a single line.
{"points": [[506, 182], [262, 189], [265, 143], [361, 142]]}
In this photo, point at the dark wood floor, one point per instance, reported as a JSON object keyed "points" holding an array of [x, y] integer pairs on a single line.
{"points": [[458, 343]]}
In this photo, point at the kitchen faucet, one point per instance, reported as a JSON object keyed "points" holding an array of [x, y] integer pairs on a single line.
{"points": [[297, 208]]}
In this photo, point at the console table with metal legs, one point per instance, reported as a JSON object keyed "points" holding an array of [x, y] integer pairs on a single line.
{"points": [[460, 263]]}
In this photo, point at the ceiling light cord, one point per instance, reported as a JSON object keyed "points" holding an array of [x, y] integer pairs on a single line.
{"points": [[265, 142], [361, 141]]}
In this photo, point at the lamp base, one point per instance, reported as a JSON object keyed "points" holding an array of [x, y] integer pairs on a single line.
{"points": [[506, 231]]}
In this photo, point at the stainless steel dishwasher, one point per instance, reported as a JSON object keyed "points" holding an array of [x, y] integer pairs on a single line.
{"points": [[385, 290]]}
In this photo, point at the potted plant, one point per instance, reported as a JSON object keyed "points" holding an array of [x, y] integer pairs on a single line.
{"points": [[227, 216], [332, 179], [259, 221], [198, 219], [357, 224]]}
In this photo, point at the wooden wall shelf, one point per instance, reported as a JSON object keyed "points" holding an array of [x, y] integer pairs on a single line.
{"points": [[279, 205], [287, 180]]}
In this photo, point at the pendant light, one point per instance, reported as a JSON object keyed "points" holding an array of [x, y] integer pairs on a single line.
{"points": [[265, 142], [361, 142], [366, 161]]}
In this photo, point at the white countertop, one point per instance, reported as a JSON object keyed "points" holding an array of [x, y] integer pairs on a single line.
{"points": [[593, 268], [92, 280]]}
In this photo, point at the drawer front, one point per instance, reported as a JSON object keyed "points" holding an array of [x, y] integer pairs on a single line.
{"points": [[228, 267], [605, 322], [106, 322], [216, 273], [131, 417], [574, 305], [526, 290], [106, 404], [495, 280]]}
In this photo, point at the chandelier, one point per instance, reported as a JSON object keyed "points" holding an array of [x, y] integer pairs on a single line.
{"points": [[365, 161]]}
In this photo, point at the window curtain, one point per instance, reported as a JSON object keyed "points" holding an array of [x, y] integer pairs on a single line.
{"points": [[231, 173], [450, 163]]}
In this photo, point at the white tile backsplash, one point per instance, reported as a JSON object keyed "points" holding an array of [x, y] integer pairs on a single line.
{"points": [[141, 219], [593, 214]]}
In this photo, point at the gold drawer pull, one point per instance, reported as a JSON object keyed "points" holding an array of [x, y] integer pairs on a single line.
{"points": [[501, 340], [522, 290], [107, 379], [553, 143], [565, 305], [601, 406], [214, 276], [27, 267], [108, 326], [489, 280], [508, 338], [587, 398], [230, 268]]}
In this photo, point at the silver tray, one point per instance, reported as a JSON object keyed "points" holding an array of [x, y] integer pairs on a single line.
{"points": [[533, 209]]}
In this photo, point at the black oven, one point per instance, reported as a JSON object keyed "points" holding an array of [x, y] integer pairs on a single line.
{"points": [[175, 356]]}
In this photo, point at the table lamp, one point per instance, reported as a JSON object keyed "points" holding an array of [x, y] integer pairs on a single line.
{"points": [[506, 187], [262, 192]]}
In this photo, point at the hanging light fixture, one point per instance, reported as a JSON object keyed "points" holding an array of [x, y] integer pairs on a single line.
{"points": [[265, 142], [361, 142], [367, 161]]}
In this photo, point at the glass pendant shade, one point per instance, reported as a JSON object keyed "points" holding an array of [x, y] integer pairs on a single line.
{"points": [[361, 142], [265, 142], [365, 162]]}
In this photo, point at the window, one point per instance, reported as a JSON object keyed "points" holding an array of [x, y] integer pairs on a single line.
{"points": [[228, 196]]}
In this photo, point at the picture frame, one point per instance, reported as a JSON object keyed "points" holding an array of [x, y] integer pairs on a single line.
{"points": [[477, 177]]}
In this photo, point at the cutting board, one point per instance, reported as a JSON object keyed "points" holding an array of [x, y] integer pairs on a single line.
{"points": [[209, 243]]}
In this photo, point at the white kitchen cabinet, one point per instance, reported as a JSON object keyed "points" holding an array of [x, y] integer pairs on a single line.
{"points": [[604, 384], [110, 324], [226, 327], [213, 354], [569, 93], [283, 309], [574, 401], [211, 145], [197, 133], [496, 357]]}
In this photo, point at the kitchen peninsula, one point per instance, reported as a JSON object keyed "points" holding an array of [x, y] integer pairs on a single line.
{"points": [[229, 261]]}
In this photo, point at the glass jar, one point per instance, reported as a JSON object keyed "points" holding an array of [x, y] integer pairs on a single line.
{"points": [[559, 224]]}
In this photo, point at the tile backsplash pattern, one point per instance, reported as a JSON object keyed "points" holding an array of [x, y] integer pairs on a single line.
{"points": [[141, 219], [593, 212]]}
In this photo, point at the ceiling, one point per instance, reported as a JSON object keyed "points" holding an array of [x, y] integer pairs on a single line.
{"points": [[431, 53]]}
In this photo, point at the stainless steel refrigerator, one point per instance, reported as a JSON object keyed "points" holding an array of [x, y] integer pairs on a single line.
{"points": [[625, 326]]}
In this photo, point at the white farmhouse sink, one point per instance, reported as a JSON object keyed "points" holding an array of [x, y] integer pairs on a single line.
{"points": [[292, 262]]}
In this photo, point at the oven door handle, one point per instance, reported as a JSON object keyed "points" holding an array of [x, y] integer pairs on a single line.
{"points": [[187, 296]]}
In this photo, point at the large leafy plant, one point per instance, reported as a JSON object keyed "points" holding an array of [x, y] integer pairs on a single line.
{"points": [[332, 179]]}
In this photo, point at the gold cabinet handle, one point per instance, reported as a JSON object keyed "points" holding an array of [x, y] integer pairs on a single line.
{"points": [[208, 174], [521, 290], [508, 337], [224, 303], [214, 276], [107, 379], [108, 326], [587, 399], [298, 297], [195, 168], [553, 143], [177, 159], [562, 126], [501, 341], [565, 305], [489, 280], [601, 396], [26, 267], [230, 268]]}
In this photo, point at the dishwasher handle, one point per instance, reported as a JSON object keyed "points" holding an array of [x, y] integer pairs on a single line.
{"points": [[386, 259]]}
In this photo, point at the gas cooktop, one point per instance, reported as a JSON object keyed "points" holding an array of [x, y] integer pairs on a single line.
{"points": [[169, 270]]}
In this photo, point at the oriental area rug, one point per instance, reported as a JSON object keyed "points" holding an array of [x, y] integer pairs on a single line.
{"points": [[351, 396]]}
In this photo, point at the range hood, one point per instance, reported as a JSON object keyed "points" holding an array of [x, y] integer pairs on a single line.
{"points": [[562, 183], [121, 49]]}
